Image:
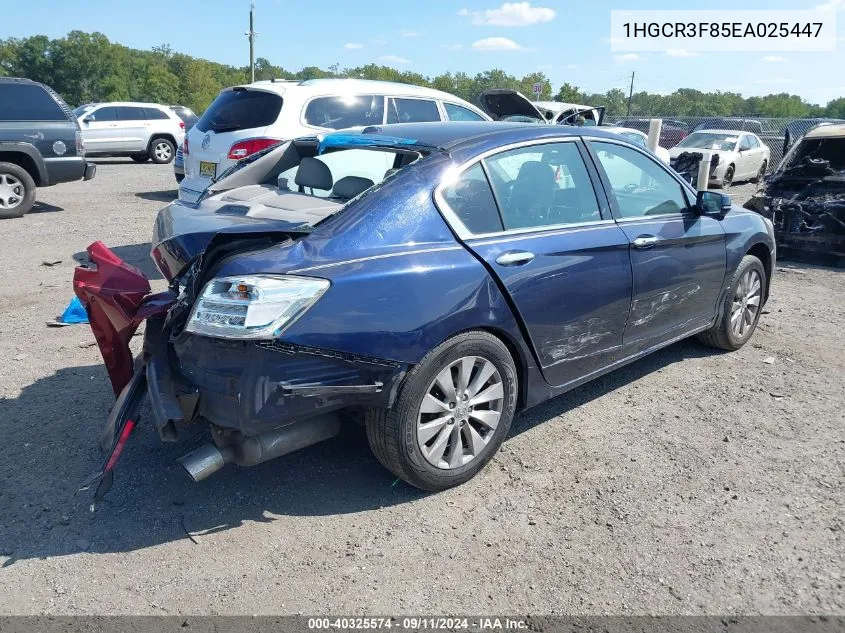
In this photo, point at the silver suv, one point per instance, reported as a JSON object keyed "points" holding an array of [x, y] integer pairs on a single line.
{"points": [[142, 131]]}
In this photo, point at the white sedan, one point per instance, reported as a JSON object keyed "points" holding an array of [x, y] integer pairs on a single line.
{"points": [[638, 138], [742, 155]]}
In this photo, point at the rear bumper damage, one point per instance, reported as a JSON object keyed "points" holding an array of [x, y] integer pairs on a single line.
{"points": [[261, 399]]}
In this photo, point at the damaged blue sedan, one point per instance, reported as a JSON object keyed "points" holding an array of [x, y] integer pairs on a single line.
{"points": [[429, 279]]}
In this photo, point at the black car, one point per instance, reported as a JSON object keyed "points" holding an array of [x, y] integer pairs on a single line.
{"points": [[40, 144]]}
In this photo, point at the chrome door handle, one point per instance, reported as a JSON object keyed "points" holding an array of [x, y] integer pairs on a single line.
{"points": [[646, 241], [514, 258]]}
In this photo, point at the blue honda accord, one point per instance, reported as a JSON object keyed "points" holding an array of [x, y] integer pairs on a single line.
{"points": [[431, 279]]}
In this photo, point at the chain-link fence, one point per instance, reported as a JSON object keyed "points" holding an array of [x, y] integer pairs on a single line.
{"points": [[777, 133]]}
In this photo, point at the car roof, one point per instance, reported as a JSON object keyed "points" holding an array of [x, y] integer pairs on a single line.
{"points": [[827, 131], [472, 137], [129, 103], [725, 132], [332, 86], [616, 129]]}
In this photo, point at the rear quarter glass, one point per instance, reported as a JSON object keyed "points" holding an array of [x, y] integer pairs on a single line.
{"points": [[240, 109], [30, 102]]}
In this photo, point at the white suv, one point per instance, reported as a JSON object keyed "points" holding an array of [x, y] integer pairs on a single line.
{"points": [[245, 119], [143, 131]]}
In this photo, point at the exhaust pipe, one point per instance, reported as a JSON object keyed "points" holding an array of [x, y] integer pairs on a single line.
{"points": [[249, 451], [203, 462]]}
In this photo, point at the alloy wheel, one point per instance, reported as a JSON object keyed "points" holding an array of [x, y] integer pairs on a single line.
{"points": [[11, 191], [746, 302], [162, 151], [460, 412]]}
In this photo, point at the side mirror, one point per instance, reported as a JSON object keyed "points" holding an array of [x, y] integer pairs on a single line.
{"points": [[713, 203], [89, 119]]}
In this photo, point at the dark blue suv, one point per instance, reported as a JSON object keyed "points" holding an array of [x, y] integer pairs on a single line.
{"points": [[494, 266]]}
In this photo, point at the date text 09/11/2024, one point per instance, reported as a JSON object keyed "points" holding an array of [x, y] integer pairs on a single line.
{"points": [[419, 623]]}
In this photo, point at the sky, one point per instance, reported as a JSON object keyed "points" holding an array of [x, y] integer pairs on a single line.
{"points": [[568, 41]]}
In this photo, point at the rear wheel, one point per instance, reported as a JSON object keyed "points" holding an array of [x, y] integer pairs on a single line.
{"points": [[140, 158], [17, 191], [162, 151], [741, 309], [452, 413]]}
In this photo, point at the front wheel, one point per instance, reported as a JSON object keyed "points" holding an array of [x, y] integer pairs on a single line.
{"points": [[741, 308], [452, 413], [162, 151], [728, 178], [761, 173]]}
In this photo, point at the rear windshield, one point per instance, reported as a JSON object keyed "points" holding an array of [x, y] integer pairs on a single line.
{"points": [[28, 102], [240, 109]]}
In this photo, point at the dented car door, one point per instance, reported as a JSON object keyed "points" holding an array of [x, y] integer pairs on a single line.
{"points": [[677, 255], [554, 248]]}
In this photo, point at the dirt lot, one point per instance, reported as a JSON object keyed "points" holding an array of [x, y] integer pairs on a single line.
{"points": [[690, 482]]}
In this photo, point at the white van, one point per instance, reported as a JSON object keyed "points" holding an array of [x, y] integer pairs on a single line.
{"points": [[246, 119]]}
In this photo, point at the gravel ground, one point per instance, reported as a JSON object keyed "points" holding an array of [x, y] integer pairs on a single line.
{"points": [[690, 482]]}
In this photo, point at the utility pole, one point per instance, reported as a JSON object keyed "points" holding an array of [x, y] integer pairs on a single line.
{"points": [[630, 95], [251, 34]]}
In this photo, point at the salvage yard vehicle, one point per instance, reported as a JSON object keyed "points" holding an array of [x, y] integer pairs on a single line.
{"points": [[506, 104], [672, 131], [40, 144], [495, 266], [733, 155], [142, 131], [246, 119], [805, 196], [640, 139]]}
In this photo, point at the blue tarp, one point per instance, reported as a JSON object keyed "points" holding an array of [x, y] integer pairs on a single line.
{"points": [[352, 140], [74, 312]]}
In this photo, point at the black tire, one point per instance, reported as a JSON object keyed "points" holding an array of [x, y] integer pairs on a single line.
{"points": [[761, 173], [140, 158], [728, 178], [161, 150], [722, 335], [393, 433], [18, 180]]}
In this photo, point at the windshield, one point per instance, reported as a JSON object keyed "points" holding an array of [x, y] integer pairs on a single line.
{"points": [[80, 110], [710, 140], [829, 149]]}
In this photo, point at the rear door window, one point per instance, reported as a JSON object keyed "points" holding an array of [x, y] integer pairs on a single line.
{"points": [[130, 113], [336, 113], [28, 102], [411, 110], [543, 185], [240, 109]]}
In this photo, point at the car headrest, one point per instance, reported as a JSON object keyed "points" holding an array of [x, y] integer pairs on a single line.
{"points": [[390, 172], [350, 186], [314, 174]]}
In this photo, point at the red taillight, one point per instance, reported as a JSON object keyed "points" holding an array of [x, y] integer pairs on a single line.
{"points": [[182, 124], [242, 149], [185, 151]]}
